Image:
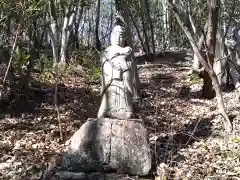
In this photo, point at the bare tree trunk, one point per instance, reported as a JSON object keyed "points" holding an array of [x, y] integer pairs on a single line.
{"points": [[232, 11], [234, 74], [89, 29], [111, 21], [98, 43], [151, 27], [220, 60], [138, 31], [211, 44], [65, 36], [144, 26], [122, 5], [207, 90], [207, 66], [53, 32], [222, 68], [71, 31], [207, 81], [105, 36], [166, 27], [194, 28], [196, 64], [82, 29], [77, 25], [53, 39], [200, 35]]}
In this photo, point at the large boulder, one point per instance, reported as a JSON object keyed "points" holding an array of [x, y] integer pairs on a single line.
{"points": [[109, 145], [97, 176]]}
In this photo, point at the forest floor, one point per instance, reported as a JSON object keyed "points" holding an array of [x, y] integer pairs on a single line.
{"points": [[185, 131]]}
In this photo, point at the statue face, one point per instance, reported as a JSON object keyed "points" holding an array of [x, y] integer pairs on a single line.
{"points": [[121, 40], [118, 36]]}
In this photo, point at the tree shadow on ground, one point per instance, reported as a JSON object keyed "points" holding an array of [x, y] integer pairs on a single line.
{"points": [[172, 136], [175, 59], [171, 133], [165, 111], [76, 105], [166, 79], [167, 146], [33, 124], [42, 101]]}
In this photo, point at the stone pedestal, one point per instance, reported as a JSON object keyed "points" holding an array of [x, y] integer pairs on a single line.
{"points": [[109, 145]]}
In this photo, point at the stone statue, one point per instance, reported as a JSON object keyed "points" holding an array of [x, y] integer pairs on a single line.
{"points": [[116, 78], [111, 142]]}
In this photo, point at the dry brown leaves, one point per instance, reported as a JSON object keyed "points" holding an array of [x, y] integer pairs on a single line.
{"points": [[187, 137], [185, 133]]}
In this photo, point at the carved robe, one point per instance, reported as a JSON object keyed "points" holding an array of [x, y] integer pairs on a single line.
{"points": [[116, 83]]}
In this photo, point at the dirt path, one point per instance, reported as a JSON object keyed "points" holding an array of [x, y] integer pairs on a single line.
{"points": [[184, 131]]}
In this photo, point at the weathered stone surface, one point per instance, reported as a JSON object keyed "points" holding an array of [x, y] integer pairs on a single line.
{"points": [[97, 176], [117, 82], [109, 145], [71, 176]]}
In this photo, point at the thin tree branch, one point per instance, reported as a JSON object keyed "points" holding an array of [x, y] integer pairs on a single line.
{"points": [[11, 58], [56, 101]]}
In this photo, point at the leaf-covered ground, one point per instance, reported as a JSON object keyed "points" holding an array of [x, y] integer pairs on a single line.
{"points": [[185, 131]]}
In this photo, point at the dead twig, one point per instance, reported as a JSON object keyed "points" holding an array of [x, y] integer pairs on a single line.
{"points": [[56, 101]]}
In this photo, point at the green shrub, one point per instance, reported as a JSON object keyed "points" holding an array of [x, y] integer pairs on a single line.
{"points": [[45, 62], [195, 79], [47, 76], [89, 60], [21, 59]]}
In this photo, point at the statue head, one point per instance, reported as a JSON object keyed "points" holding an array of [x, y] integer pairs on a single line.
{"points": [[118, 36]]}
